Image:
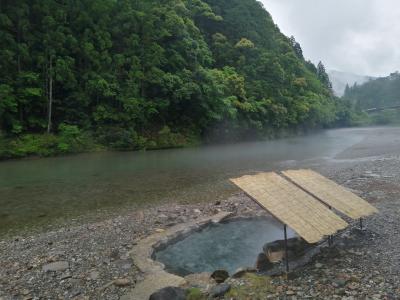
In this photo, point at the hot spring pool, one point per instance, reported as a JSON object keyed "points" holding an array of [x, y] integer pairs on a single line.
{"points": [[227, 246]]}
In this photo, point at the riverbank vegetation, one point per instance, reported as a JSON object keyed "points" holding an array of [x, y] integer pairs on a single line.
{"points": [[82, 75]]}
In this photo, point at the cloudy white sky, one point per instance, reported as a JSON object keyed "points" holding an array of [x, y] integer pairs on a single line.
{"points": [[358, 36]]}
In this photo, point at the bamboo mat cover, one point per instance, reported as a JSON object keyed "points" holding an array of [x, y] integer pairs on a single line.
{"points": [[308, 217], [331, 193]]}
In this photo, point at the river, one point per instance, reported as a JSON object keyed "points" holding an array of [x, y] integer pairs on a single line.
{"points": [[35, 193]]}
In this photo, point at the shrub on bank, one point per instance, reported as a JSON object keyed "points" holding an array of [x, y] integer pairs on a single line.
{"points": [[71, 139]]}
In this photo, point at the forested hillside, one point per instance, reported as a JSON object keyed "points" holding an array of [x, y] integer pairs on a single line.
{"points": [[130, 74], [381, 92]]}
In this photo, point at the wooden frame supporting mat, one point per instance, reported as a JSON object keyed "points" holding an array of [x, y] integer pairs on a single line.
{"points": [[295, 208]]}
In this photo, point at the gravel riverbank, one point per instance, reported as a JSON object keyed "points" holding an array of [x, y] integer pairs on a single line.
{"points": [[91, 262], [363, 264]]}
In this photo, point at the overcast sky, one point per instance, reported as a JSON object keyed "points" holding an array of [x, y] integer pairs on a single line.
{"points": [[358, 36]]}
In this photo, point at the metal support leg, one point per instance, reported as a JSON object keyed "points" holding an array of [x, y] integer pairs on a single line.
{"points": [[361, 224], [330, 238], [286, 249]]}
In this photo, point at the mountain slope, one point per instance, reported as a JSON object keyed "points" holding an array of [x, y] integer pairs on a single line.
{"points": [[378, 93], [133, 74]]}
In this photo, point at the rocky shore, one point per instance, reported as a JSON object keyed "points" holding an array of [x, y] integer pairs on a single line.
{"points": [[91, 261]]}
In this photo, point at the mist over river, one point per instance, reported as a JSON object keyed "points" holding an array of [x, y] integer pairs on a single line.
{"points": [[38, 192]]}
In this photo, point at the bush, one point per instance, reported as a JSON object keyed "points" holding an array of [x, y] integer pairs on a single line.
{"points": [[70, 140], [165, 138], [29, 144], [120, 138]]}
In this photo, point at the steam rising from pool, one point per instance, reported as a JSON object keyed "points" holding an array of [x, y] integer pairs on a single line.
{"points": [[226, 246]]}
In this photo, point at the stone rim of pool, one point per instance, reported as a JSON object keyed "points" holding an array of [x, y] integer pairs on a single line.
{"points": [[157, 277]]}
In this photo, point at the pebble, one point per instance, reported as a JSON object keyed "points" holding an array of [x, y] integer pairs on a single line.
{"points": [[121, 282], [25, 292], [75, 292], [339, 282], [56, 266], [66, 276], [290, 293], [94, 275]]}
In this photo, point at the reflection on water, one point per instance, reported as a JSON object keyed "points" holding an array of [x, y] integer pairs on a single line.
{"points": [[35, 192]]}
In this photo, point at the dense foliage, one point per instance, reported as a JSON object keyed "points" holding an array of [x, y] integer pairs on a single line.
{"points": [[377, 93], [133, 74]]}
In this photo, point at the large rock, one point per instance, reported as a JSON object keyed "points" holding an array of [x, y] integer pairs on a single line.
{"points": [[169, 293], [57, 266], [219, 290], [275, 251], [220, 275], [263, 264]]}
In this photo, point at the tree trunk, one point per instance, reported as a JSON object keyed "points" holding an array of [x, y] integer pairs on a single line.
{"points": [[50, 106]]}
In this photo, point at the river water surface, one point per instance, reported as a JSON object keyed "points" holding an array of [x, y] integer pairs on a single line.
{"points": [[37, 192]]}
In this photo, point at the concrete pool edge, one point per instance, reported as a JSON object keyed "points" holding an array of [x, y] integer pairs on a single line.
{"points": [[155, 276]]}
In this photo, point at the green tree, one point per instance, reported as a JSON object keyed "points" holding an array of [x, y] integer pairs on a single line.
{"points": [[146, 73]]}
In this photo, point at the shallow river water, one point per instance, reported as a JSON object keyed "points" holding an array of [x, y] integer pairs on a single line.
{"points": [[36, 192]]}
